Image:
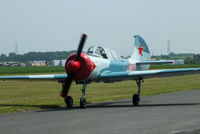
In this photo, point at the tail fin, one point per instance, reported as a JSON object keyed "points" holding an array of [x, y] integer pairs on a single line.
{"points": [[141, 51]]}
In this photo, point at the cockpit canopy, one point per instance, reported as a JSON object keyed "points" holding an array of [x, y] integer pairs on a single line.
{"points": [[105, 53]]}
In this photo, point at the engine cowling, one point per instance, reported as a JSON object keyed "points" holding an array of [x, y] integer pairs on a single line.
{"points": [[81, 68]]}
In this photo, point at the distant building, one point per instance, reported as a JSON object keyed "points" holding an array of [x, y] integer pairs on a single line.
{"points": [[1, 64], [180, 61], [48, 63], [37, 63], [153, 59], [58, 62], [12, 64], [63, 62], [55, 62]]}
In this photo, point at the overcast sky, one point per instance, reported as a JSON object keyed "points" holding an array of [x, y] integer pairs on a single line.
{"points": [[56, 25]]}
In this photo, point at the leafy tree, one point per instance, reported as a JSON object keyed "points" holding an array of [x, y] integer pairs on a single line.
{"points": [[3, 57], [196, 59]]}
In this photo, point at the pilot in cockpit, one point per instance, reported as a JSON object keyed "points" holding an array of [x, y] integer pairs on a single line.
{"points": [[97, 51], [102, 52]]}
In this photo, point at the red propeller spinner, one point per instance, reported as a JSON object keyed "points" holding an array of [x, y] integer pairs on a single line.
{"points": [[81, 68]]}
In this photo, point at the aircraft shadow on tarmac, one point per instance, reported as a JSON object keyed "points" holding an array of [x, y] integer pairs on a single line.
{"points": [[123, 104], [115, 104], [36, 106]]}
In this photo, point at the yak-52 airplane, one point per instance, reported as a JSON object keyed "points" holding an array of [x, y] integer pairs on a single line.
{"points": [[101, 64]]}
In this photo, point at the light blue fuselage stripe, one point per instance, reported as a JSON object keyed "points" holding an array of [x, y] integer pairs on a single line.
{"points": [[116, 66]]}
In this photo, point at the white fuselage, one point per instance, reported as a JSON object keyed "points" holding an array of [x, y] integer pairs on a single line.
{"points": [[107, 65]]}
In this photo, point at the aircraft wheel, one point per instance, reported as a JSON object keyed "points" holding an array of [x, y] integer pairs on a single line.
{"points": [[83, 103], [69, 101], [135, 99]]}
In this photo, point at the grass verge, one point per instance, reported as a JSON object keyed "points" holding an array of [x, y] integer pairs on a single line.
{"points": [[28, 95]]}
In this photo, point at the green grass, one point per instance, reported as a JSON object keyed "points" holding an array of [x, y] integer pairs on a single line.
{"points": [[23, 95], [168, 66], [31, 70]]}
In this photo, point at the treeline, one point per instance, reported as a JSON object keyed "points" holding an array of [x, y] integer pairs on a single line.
{"points": [[60, 55], [36, 56], [188, 58], [197, 59]]}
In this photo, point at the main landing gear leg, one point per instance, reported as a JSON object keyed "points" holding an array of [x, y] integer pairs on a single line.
{"points": [[83, 103], [136, 97], [68, 100]]}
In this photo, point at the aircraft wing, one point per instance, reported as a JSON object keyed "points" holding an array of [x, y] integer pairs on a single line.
{"points": [[39, 77], [136, 75]]}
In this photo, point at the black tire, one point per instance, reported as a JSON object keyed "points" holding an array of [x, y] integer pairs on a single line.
{"points": [[69, 101], [83, 103], [135, 99]]}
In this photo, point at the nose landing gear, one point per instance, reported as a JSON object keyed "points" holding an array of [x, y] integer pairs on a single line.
{"points": [[69, 100], [83, 103]]}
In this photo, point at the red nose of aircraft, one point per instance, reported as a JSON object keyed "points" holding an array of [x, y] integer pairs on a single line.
{"points": [[81, 68], [73, 66]]}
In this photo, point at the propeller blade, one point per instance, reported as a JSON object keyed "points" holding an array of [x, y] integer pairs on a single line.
{"points": [[67, 85], [70, 76], [80, 47]]}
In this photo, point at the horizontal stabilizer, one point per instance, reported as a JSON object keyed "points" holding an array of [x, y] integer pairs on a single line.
{"points": [[156, 62]]}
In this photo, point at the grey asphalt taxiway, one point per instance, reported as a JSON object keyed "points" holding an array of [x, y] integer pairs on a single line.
{"points": [[160, 114]]}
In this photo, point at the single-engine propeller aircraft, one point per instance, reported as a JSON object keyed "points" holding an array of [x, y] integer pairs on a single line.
{"points": [[101, 64]]}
